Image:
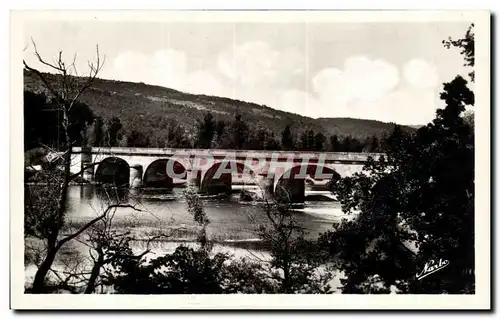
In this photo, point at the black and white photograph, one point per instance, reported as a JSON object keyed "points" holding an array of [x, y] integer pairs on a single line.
{"points": [[220, 154]]}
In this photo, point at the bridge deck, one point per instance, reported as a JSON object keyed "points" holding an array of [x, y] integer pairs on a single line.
{"points": [[219, 153]]}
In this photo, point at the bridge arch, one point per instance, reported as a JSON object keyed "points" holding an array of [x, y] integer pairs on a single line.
{"points": [[162, 173], [219, 177], [114, 171], [290, 184]]}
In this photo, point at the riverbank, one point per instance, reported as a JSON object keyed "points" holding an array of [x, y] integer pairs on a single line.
{"points": [[233, 224], [75, 257]]}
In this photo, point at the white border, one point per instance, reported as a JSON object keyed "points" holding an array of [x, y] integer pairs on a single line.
{"points": [[481, 300]]}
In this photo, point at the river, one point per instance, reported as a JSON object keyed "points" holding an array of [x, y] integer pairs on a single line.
{"points": [[230, 219]]}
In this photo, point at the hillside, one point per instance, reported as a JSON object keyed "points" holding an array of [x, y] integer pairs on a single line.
{"points": [[152, 109]]}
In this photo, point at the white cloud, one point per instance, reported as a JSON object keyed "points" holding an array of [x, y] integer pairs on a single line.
{"points": [[352, 90], [298, 101], [404, 106], [256, 64], [204, 82], [164, 67], [371, 89], [252, 71], [420, 74], [248, 63], [168, 68], [361, 79], [256, 72]]}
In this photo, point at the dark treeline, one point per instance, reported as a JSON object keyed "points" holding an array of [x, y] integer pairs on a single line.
{"points": [[43, 122], [240, 135]]}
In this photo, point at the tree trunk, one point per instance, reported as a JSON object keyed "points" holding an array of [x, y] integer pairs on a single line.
{"points": [[94, 274], [43, 270], [41, 274], [286, 272], [67, 170], [286, 279]]}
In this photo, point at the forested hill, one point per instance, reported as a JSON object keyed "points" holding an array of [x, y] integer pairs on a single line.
{"points": [[161, 117]]}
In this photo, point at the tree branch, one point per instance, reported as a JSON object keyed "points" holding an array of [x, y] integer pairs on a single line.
{"points": [[92, 222], [58, 68], [94, 70], [44, 80]]}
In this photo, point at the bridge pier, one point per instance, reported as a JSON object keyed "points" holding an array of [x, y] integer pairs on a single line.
{"points": [[86, 166], [135, 176], [291, 191], [266, 184], [217, 186]]}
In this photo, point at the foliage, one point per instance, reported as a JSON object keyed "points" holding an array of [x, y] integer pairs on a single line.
{"points": [[137, 138], [466, 45], [41, 203], [334, 143], [295, 262], [112, 129], [206, 131], [319, 141], [261, 138], [239, 133], [44, 121], [287, 139], [185, 271]]}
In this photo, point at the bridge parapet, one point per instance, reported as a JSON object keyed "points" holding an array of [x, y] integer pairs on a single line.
{"points": [[237, 154]]}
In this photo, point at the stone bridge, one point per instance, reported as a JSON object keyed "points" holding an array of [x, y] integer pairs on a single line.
{"points": [[214, 171]]}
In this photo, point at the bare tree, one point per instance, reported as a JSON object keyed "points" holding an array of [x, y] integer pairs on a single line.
{"points": [[46, 208], [296, 264], [109, 245]]}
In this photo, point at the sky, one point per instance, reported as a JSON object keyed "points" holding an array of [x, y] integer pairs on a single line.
{"points": [[391, 72]]}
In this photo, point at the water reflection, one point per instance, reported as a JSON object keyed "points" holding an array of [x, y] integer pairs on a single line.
{"points": [[112, 194], [86, 192]]}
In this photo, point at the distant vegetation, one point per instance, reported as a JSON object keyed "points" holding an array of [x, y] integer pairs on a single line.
{"points": [[115, 113]]}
